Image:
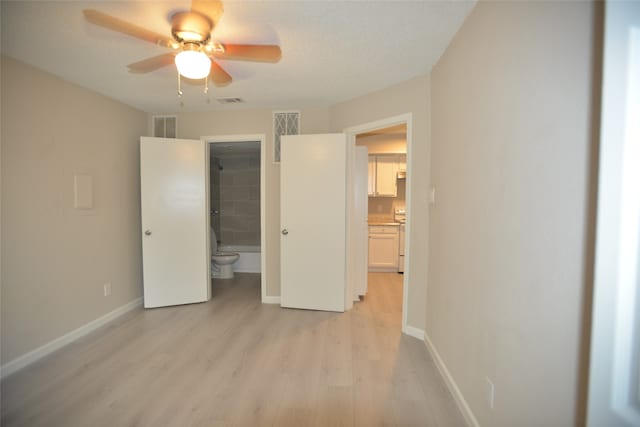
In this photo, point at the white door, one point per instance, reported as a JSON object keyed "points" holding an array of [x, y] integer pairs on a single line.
{"points": [[313, 180], [175, 229], [614, 376], [361, 211]]}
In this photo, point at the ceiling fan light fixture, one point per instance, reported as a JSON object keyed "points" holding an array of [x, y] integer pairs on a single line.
{"points": [[193, 64]]}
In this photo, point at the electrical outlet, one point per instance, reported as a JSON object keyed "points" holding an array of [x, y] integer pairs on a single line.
{"points": [[107, 289], [490, 393]]}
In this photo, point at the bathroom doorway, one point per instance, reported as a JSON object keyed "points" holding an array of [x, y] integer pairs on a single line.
{"points": [[236, 204]]}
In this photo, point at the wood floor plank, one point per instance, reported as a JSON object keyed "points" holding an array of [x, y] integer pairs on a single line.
{"points": [[236, 362]]}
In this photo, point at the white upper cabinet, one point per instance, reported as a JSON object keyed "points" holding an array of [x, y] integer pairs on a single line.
{"points": [[386, 176], [371, 186], [383, 174]]}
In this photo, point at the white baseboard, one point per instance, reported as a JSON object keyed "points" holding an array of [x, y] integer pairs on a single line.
{"points": [[270, 300], [451, 384], [42, 351], [414, 332]]}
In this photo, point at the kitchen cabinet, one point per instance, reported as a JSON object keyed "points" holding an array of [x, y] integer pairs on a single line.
{"points": [[371, 185], [383, 175], [383, 247], [402, 162]]}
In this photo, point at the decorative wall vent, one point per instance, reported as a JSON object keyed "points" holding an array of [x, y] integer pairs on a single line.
{"points": [[230, 100], [284, 123], [165, 126]]}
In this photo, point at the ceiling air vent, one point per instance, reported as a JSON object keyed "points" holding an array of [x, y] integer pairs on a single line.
{"points": [[230, 100]]}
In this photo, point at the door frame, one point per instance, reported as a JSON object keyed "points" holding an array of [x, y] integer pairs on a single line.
{"points": [[615, 329], [402, 119], [261, 138]]}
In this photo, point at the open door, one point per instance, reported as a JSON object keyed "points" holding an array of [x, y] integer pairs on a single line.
{"points": [[313, 183], [360, 220], [175, 225]]}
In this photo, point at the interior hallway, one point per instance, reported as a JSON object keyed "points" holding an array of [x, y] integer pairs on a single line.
{"points": [[236, 362]]}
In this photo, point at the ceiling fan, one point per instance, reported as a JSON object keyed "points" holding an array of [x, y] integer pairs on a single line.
{"points": [[192, 48]]}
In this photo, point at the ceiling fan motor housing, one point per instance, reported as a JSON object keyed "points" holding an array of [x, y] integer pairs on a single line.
{"points": [[191, 27]]}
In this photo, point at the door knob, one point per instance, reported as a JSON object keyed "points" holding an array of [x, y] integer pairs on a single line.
{"points": [[147, 233], [285, 232]]}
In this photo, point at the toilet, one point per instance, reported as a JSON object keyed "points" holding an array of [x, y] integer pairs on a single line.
{"points": [[221, 262]]}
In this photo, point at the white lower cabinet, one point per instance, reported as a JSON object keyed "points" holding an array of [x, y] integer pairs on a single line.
{"points": [[383, 248]]}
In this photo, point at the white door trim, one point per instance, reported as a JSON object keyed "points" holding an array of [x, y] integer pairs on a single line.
{"points": [[614, 383], [263, 226], [407, 119]]}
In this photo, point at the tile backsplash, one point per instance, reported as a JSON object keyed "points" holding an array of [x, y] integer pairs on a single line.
{"points": [[381, 208]]}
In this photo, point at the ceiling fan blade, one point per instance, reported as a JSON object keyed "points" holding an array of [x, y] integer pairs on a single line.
{"points": [[152, 64], [250, 52], [116, 24], [218, 75], [211, 8]]}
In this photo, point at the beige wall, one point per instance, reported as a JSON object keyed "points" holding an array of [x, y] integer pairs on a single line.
{"points": [[511, 150], [411, 96], [59, 257], [242, 122]]}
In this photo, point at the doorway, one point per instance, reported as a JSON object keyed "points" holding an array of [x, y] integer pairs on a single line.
{"points": [[389, 144], [236, 181]]}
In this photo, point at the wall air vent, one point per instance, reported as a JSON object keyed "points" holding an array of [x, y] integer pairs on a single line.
{"points": [[165, 126], [230, 100], [284, 123]]}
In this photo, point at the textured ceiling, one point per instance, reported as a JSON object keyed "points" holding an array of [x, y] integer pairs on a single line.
{"points": [[332, 50]]}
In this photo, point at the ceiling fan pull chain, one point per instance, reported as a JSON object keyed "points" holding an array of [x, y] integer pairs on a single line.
{"points": [[206, 85], [179, 88]]}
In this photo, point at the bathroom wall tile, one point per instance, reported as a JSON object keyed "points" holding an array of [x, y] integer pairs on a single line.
{"points": [[251, 177], [226, 237], [227, 208], [234, 193], [249, 207], [254, 192], [247, 238], [226, 178], [236, 223], [238, 198], [254, 162], [253, 224], [239, 193], [235, 162]]}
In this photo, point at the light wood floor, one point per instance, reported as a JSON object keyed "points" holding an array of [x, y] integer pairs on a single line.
{"points": [[234, 361]]}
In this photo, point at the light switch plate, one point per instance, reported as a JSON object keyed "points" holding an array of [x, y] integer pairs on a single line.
{"points": [[83, 191]]}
